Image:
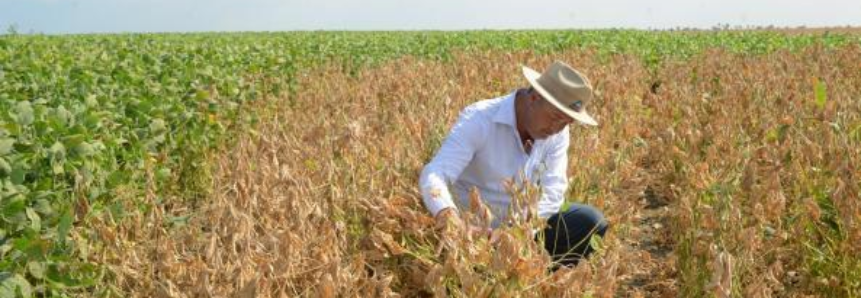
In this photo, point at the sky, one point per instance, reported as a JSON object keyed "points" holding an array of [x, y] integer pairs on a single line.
{"points": [[116, 16]]}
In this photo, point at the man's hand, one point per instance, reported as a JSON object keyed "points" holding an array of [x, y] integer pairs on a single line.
{"points": [[448, 219]]}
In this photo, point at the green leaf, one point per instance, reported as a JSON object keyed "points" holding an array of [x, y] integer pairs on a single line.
{"points": [[163, 174], [24, 113], [13, 205], [14, 286], [35, 219], [74, 140], [93, 121], [61, 280], [43, 206], [91, 101], [819, 93], [6, 146], [63, 115], [18, 174], [84, 149], [34, 247], [201, 95], [565, 206], [5, 168], [157, 126], [57, 168], [57, 150], [597, 243], [856, 133], [64, 226], [117, 210], [37, 269]]}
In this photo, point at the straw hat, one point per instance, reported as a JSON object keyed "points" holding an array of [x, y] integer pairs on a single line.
{"points": [[565, 88]]}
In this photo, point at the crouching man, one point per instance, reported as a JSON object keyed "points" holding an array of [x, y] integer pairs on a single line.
{"points": [[526, 132]]}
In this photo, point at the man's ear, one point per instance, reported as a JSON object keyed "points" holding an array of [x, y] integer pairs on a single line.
{"points": [[534, 96]]}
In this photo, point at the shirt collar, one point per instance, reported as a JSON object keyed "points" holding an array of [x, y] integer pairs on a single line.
{"points": [[505, 113]]}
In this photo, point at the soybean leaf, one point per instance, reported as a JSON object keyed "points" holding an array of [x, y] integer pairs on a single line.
{"points": [[819, 93], [14, 285], [6, 146]]}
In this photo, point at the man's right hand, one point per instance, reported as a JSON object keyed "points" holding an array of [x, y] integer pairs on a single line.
{"points": [[448, 219]]}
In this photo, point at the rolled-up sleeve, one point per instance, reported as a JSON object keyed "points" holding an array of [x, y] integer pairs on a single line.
{"points": [[465, 138], [554, 180]]}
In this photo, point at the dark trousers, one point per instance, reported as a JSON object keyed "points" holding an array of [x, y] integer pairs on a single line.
{"points": [[567, 237]]}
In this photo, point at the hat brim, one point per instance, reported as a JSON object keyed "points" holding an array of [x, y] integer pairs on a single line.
{"points": [[582, 117]]}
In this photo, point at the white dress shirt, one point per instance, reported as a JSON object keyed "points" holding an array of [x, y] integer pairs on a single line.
{"points": [[482, 150]]}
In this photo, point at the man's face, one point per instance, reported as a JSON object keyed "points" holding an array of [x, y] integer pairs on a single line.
{"points": [[544, 118]]}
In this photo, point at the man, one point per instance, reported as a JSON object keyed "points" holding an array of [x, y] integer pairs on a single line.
{"points": [[525, 132]]}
